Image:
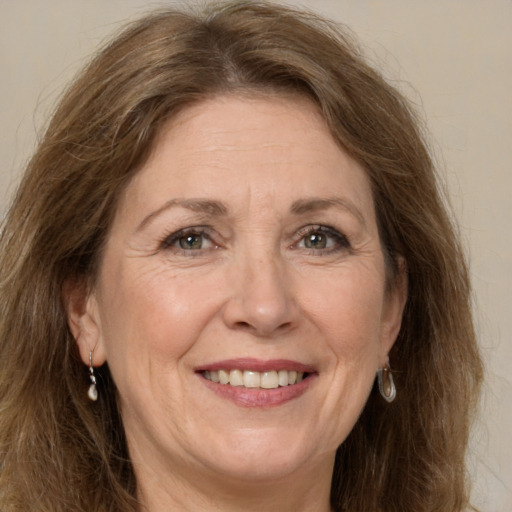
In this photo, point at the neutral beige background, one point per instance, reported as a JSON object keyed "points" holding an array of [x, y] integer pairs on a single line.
{"points": [[453, 58]]}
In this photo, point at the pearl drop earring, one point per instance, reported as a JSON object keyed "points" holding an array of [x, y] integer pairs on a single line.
{"points": [[92, 393]]}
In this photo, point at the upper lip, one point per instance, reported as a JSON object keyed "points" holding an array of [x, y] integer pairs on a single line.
{"points": [[257, 365]]}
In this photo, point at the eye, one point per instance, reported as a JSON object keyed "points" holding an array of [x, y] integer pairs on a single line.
{"points": [[191, 242], [322, 239], [189, 239], [316, 241]]}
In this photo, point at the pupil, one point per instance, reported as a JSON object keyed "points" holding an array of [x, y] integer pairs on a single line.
{"points": [[190, 242], [316, 241]]}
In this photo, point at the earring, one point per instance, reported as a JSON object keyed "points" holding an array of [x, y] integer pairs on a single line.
{"points": [[386, 385], [92, 393]]}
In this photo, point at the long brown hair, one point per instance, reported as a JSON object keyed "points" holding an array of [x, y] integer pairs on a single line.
{"points": [[58, 451]]}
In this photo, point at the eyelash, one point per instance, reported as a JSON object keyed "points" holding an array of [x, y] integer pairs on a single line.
{"points": [[341, 242]]}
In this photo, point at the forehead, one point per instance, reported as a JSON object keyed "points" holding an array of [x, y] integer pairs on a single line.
{"points": [[251, 123], [238, 146]]}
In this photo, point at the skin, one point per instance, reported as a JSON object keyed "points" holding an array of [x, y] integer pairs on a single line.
{"points": [[263, 281]]}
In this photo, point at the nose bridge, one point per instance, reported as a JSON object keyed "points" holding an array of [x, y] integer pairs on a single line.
{"points": [[264, 301]]}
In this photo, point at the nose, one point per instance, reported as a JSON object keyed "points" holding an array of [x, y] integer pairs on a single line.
{"points": [[263, 301]]}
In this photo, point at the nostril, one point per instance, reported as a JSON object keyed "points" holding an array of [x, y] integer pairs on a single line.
{"points": [[284, 326], [243, 325]]}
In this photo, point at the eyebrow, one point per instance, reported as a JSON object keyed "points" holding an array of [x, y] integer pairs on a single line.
{"points": [[206, 206], [302, 206], [217, 209]]}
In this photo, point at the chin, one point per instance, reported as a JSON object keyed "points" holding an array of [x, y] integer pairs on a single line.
{"points": [[260, 456]]}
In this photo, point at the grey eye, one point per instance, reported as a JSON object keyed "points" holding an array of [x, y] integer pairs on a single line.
{"points": [[315, 241], [191, 242], [323, 239]]}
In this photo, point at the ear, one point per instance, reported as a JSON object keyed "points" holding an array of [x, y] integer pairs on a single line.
{"points": [[84, 321], [394, 305]]}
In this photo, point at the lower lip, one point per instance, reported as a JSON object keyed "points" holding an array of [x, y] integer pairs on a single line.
{"points": [[257, 397]]}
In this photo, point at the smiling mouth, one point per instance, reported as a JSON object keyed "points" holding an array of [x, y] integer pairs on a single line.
{"points": [[255, 380]]}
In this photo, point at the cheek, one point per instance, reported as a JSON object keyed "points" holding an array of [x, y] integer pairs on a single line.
{"points": [[148, 321], [347, 314], [348, 309]]}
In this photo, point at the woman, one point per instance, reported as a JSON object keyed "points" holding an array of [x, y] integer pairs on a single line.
{"points": [[229, 234]]}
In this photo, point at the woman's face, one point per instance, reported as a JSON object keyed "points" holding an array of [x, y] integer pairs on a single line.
{"points": [[246, 249]]}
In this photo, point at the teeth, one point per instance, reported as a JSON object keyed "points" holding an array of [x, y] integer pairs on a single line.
{"points": [[283, 378], [269, 380], [251, 379], [223, 376], [236, 378]]}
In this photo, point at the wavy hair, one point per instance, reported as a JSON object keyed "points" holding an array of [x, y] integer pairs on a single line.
{"points": [[58, 451]]}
